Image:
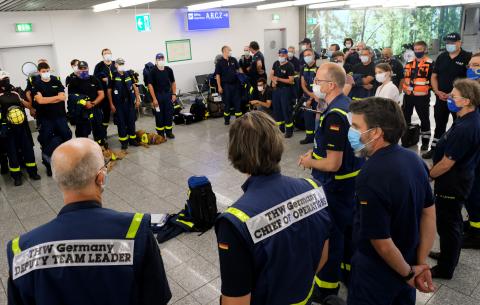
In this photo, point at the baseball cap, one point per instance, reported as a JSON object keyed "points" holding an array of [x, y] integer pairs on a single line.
{"points": [[306, 40], [159, 55], [452, 37], [120, 61], [82, 64], [4, 74], [283, 51]]}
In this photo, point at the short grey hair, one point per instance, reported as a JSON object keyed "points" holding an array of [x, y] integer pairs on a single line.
{"points": [[369, 49], [79, 173], [335, 73]]}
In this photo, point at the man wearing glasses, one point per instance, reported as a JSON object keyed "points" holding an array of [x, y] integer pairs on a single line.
{"points": [[87, 254], [334, 164]]}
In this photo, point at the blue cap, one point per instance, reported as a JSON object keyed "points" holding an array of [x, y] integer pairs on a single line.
{"points": [[283, 51], [159, 55]]}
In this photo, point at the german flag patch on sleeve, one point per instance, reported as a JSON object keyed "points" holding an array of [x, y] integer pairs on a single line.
{"points": [[334, 127], [223, 246]]}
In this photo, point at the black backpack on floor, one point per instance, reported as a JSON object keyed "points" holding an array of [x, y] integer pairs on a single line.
{"points": [[411, 136], [199, 110], [201, 203]]}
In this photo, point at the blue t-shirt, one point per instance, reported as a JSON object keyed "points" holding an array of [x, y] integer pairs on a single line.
{"points": [[391, 191]]}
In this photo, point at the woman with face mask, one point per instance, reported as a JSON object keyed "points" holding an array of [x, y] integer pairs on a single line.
{"points": [[383, 75], [454, 159], [104, 72]]}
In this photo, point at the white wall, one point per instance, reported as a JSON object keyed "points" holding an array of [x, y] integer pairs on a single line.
{"points": [[82, 34]]}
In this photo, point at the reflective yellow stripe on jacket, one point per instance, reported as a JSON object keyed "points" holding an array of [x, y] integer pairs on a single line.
{"points": [[133, 229]]}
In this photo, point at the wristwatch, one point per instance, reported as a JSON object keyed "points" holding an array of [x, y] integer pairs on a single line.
{"points": [[410, 275]]}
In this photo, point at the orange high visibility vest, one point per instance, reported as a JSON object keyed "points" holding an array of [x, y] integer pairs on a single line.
{"points": [[417, 80]]}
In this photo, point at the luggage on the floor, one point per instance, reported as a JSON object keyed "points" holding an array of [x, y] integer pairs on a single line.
{"points": [[198, 110], [411, 136]]}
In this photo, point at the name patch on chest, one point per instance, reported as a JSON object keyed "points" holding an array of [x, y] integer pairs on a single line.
{"points": [[285, 214], [74, 253]]}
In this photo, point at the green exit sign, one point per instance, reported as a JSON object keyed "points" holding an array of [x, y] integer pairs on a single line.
{"points": [[23, 27], [143, 23], [312, 21], [275, 17]]}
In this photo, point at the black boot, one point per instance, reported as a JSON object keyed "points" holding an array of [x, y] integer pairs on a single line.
{"points": [[133, 142], [307, 140], [17, 180], [34, 176], [49, 168], [170, 134], [161, 133], [428, 154], [124, 145]]}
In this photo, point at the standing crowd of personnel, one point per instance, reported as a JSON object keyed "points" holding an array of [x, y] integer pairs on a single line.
{"points": [[366, 218]]}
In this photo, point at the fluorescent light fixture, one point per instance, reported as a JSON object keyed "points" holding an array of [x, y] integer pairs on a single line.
{"points": [[106, 6], [362, 3], [328, 5], [215, 4], [275, 5], [307, 2], [127, 3]]}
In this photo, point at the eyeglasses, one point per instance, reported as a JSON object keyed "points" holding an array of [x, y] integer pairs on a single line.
{"points": [[474, 66], [105, 166], [457, 97], [319, 81]]}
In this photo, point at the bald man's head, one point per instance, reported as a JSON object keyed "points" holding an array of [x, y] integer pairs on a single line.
{"points": [[76, 163]]}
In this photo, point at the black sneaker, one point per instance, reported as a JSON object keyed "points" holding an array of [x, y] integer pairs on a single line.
{"points": [[18, 181], [434, 255], [35, 176], [428, 154], [424, 147], [306, 141]]}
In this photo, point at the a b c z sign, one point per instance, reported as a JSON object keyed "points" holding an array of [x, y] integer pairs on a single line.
{"points": [[208, 20]]}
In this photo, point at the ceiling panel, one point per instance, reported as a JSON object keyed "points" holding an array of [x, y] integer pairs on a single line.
{"points": [[47, 5]]}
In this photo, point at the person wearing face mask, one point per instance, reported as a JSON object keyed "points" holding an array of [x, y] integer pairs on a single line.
{"points": [[383, 75], [15, 133], [352, 56], [282, 77], [335, 166], [49, 101], [332, 49], [124, 98], [339, 59], [309, 99], [104, 72], [94, 253], [262, 98], [257, 69], [394, 219], [163, 88], [89, 86], [306, 44], [228, 83], [397, 67], [364, 76], [293, 59], [471, 238], [348, 43], [245, 60], [450, 65], [417, 87], [74, 65], [454, 161]]}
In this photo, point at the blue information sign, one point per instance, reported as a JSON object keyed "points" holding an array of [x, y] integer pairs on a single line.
{"points": [[208, 20]]}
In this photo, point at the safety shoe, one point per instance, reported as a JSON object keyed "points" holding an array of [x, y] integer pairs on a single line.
{"points": [[34, 176], [227, 123], [288, 135], [282, 129], [17, 181], [471, 241], [49, 170], [306, 141], [424, 147], [124, 146], [170, 135], [434, 255], [161, 133], [439, 273], [428, 154], [4, 170], [133, 143]]}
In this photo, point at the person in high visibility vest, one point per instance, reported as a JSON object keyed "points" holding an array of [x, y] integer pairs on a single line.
{"points": [[416, 86], [87, 254]]}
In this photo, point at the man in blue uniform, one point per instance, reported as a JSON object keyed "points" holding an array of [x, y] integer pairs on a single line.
{"points": [[309, 99], [364, 76], [228, 84], [15, 132], [74, 65], [49, 101], [257, 67], [124, 99], [273, 240], [281, 76], [90, 86], [162, 88], [454, 162], [306, 44], [104, 72], [471, 238], [394, 226], [87, 254], [334, 164]]}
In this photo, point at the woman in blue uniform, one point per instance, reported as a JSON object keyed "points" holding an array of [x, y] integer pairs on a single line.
{"points": [[455, 158]]}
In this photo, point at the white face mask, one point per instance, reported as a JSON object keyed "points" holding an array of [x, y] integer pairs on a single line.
{"points": [[381, 77], [290, 54], [45, 75], [318, 93], [160, 63], [364, 58], [282, 59], [246, 53], [303, 47], [107, 57], [308, 59], [121, 68], [75, 69], [348, 45], [260, 88]]}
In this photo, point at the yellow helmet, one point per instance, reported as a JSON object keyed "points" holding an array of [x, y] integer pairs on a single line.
{"points": [[15, 115]]}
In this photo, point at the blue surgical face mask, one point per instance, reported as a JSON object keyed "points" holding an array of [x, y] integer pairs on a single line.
{"points": [[282, 59], [354, 137], [329, 53], [83, 74], [451, 48], [473, 73], [308, 59], [452, 106]]}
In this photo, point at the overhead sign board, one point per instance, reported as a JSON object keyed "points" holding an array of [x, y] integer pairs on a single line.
{"points": [[207, 20], [143, 23]]}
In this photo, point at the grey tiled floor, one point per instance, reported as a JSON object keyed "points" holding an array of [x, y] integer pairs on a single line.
{"points": [[154, 180]]}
